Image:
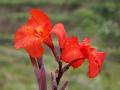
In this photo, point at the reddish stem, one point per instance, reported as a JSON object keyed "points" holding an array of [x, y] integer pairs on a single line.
{"points": [[53, 81], [36, 70], [39, 71], [63, 70], [42, 75], [57, 58], [66, 67], [60, 70]]}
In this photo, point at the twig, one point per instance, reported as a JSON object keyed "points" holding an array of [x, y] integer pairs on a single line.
{"points": [[66, 67], [36, 70], [57, 58], [63, 70]]}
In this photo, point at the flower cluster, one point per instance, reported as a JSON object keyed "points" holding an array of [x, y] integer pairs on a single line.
{"points": [[38, 31], [74, 52]]}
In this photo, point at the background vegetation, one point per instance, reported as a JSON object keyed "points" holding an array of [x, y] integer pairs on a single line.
{"points": [[97, 19]]}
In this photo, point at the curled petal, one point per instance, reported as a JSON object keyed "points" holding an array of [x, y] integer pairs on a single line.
{"points": [[95, 63], [59, 30]]}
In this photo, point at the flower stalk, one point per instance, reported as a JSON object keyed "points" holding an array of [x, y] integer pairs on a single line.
{"points": [[40, 73], [59, 72]]}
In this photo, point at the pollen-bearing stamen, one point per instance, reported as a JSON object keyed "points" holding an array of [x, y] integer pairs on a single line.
{"points": [[38, 32]]}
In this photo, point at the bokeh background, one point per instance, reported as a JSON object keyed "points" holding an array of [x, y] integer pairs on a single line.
{"points": [[97, 19]]}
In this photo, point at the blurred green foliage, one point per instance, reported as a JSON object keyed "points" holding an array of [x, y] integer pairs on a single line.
{"points": [[97, 19]]}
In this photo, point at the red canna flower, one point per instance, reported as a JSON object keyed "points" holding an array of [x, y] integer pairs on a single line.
{"points": [[69, 46], [31, 35], [94, 57], [74, 52]]}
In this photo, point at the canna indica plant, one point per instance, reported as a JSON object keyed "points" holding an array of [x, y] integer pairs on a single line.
{"points": [[38, 31]]}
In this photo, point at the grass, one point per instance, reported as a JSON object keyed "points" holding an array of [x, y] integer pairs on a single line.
{"points": [[16, 71], [54, 2]]}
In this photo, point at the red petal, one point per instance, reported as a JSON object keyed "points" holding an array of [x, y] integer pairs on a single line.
{"points": [[35, 49], [71, 52], [95, 63], [48, 41], [71, 42], [101, 56], [86, 40], [78, 63], [47, 28], [59, 30], [85, 46], [32, 22], [39, 17], [23, 37]]}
